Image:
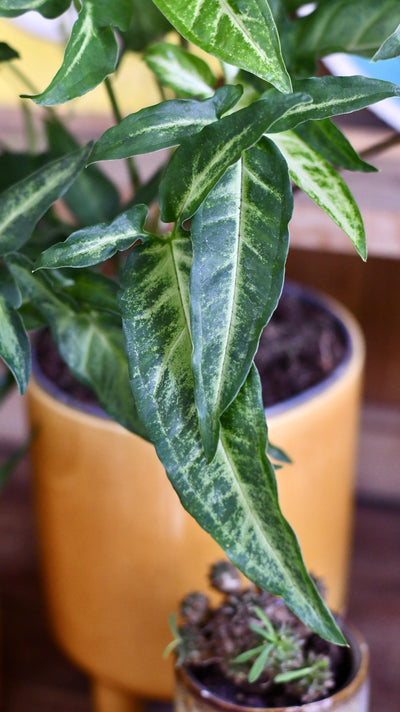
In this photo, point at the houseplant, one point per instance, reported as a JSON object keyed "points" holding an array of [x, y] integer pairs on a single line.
{"points": [[248, 651], [229, 180]]}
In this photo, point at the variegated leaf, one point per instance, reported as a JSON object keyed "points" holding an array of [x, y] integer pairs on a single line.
{"points": [[355, 26], [390, 47], [332, 96], [324, 185], [91, 343], [22, 205], [14, 344], [235, 503], [242, 34], [182, 71], [240, 241], [328, 140], [163, 125], [201, 160], [47, 8], [91, 54], [97, 243]]}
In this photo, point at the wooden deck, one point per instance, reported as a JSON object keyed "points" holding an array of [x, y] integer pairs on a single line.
{"points": [[36, 676]]}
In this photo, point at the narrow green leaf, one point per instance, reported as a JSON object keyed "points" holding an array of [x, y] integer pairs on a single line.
{"points": [[269, 628], [91, 54], [97, 243], [201, 160], [92, 197], [240, 241], [234, 498], [248, 654], [332, 96], [14, 344], [390, 47], [7, 52], [276, 453], [259, 664], [182, 71], [325, 138], [163, 125], [91, 343], [354, 26], [294, 674], [22, 205], [47, 8], [246, 37], [324, 185]]}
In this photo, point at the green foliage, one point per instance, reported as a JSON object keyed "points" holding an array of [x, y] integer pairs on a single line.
{"points": [[180, 70], [163, 125], [47, 8], [167, 342], [91, 54], [390, 47], [246, 39]]}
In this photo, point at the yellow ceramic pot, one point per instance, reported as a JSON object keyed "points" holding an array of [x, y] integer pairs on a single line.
{"points": [[118, 551], [190, 696]]}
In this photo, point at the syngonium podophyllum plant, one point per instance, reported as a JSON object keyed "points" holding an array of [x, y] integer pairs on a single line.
{"points": [[168, 343]]}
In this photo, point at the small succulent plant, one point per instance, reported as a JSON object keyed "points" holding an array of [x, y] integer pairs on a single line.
{"points": [[254, 640]]}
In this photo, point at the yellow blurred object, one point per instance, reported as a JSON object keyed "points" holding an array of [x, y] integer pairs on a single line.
{"points": [[40, 60], [118, 550]]}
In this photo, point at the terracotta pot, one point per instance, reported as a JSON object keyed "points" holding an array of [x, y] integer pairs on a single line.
{"points": [[118, 551], [190, 696]]}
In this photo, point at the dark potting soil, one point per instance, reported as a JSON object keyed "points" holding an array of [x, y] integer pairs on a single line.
{"points": [[302, 344], [299, 348], [56, 370], [211, 678]]}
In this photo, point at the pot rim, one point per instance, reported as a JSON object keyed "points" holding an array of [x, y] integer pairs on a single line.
{"points": [[354, 349], [357, 677], [353, 340]]}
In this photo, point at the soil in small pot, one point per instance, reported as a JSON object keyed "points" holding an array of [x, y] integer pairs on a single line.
{"points": [[211, 678], [250, 649], [302, 345]]}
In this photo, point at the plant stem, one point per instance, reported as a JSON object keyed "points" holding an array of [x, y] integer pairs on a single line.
{"points": [[161, 90], [134, 176], [23, 78]]}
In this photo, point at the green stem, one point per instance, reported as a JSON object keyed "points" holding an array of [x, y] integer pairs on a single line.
{"points": [[134, 176], [161, 90], [23, 78]]}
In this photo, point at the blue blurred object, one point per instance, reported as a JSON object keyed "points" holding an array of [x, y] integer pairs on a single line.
{"points": [[389, 70]]}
